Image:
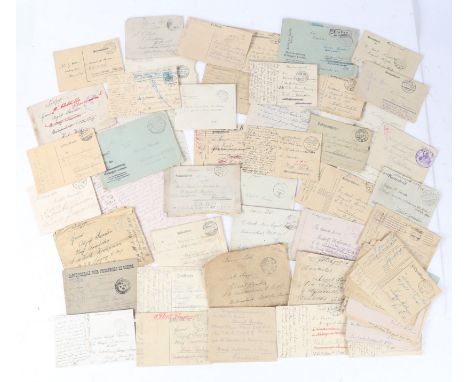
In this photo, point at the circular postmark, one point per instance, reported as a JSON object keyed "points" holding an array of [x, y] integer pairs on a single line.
{"points": [[86, 135], [408, 86], [122, 286], [172, 25], [210, 228], [361, 135], [430, 197], [80, 185], [168, 76], [183, 71], [268, 265], [426, 288], [399, 63], [222, 95], [350, 84], [308, 291], [311, 144], [301, 76], [424, 157], [156, 125], [220, 170], [291, 223], [280, 190]]}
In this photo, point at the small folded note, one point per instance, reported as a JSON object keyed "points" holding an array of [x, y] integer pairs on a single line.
{"points": [[241, 335], [395, 93], [263, 47], [138, 148], [190, 190], [87, 65], [280, 117], [283, 84], [66, 161], [282, 153], [101, 287], [105, 238], [218, 147], [256, 276]]}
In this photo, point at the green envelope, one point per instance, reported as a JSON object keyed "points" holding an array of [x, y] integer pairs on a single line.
{"points": [[137, 149], [331, 47]]}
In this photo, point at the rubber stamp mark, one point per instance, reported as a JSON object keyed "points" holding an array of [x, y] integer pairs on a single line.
{"points": [[210, 228], [122, 286], [268, 265], [424, 157]]}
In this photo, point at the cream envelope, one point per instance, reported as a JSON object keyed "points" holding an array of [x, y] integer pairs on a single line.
{"points": [[64, 206], [241, 335], [257, 226], [93, 338], [70, 113], [218, 147], [135, 93], [102, 287], [404, 195], [220, 75], [214, 43], [191, 244], [171, 338], [318, 279], [190, 190], [105, 238], [256, 276], [66, 161], [401, 152], [395, 93], [186, 71], [267, 191], [280, 117], [337, 193], [282, 153], [336, 96], [207, 106], [387, 54], [345, 146], [326, 235], [283, 84], [310, 330], [87, 65], [263, 47], [170, 289], [376, 119], [421, 242], [153, 36]]}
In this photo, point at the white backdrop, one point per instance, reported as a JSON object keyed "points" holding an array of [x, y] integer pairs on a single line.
{"points": [[46, 26]]}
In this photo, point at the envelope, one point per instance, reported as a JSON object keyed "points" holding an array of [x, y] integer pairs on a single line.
{"points": [[111, 237], [318, 279], [257, 226], [263, 47], [101, 287], [94, 338], [257, 276], [337, 193], [280, 117], [171, 338], [70, 113], [310, 330], [283, 84], [267, 191], [190, 244], [87, 65], [64, 206], [404, 195], [401, 152], [327, 235], [190, 190], [345, 146], [386, 53], [218, 147], [329, 46], [395, 93], [207, 106], [336, 96], [137, 149], [282, 153], [135, 93], [66, 161], [214, 43], [220, 75], [152, 36], [241, 335], [171, 289]]}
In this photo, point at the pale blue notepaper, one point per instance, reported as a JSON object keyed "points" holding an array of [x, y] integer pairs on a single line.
{"points": [[329, 46], [137, 149]]}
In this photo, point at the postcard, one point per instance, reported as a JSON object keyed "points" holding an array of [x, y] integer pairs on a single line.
{"points": [[280, 117], [218, 147]]}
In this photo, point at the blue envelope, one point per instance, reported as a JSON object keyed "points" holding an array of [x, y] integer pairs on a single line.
{"points": [[137, 149], [331, 47]]}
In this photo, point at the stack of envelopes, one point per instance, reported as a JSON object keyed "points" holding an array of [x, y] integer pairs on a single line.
{"points": [[138, 160]]}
